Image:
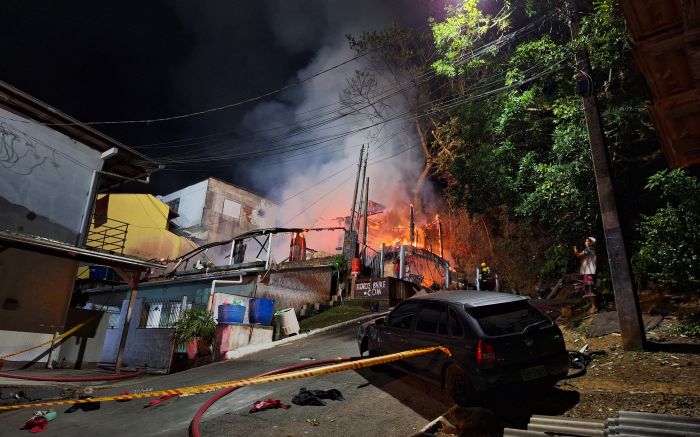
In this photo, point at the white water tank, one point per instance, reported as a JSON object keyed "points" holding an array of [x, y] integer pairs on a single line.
{"points": [[287, 321]]}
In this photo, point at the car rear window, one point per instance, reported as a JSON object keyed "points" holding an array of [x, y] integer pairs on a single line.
{"points": [[506, 318]]}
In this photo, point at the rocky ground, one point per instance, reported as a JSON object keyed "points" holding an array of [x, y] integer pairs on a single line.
{"points": [[665, 381]]}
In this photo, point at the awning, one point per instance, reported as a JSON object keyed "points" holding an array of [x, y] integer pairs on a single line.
{"points": [[64, 250]]}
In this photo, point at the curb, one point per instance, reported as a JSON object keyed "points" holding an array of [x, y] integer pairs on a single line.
{"points": [[247, 350], [428, 429]]}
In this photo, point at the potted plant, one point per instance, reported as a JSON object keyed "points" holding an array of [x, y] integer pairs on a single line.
{"points": [[195, 330]]}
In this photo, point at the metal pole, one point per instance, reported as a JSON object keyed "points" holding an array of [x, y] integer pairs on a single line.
{"points": [[626, 300], [230, 255], [134, 282], [354, 196], [87, 211], [49, 364], [447, 275], [183, 306], [402, 261], [439, 225], [411, 226], [364, 234], [269, 253], [381, 261]]}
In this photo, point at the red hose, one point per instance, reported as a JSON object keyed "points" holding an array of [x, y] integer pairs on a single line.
{"points": [[194, 425], [71, 379]]}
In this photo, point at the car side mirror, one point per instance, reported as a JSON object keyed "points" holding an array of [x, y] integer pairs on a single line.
{"points": [[379, 321]]}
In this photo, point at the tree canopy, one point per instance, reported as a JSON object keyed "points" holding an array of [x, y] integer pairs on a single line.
{"points": [[508, 145]]}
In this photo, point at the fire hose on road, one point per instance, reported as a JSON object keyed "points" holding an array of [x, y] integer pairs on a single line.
{"points": [[194, 425], [298, 371], [208, 388], [71, 379], [62, 379]]}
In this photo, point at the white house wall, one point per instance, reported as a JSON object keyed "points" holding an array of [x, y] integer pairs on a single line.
{"points": [[191, 204], [45, 179]]}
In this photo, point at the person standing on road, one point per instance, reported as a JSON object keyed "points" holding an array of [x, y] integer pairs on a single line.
{"points": [[588, 270]]}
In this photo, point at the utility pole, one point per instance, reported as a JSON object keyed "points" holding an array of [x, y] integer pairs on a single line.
{"points": [[354, 196], [364, 172], [626, 300], [364, 234]]}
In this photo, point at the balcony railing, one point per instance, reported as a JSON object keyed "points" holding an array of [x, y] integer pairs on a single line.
{"points": [[108, 235]]}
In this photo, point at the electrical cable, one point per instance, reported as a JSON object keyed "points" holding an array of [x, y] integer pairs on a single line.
{"points": [[477, 52], [307, 207], [401, 116]]}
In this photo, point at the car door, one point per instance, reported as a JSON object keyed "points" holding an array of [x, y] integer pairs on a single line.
{"points": [[431, 329], [395, 334]]}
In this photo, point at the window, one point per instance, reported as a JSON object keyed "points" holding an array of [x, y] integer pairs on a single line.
{"points": [[174, 204], [455, 324], [507, 318], [232, 209], [430, 317], [402, 316], [442, 324]]}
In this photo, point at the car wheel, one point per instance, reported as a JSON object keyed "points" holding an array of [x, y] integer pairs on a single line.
{"points": [[458, 386], [379, 367]]}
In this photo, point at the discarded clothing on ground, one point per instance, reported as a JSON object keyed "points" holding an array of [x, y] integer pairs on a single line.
{"points": [[87, 406], [46, 414], [267, 404], [160, 400], [36, 424], [313, 397], [39, 421]]}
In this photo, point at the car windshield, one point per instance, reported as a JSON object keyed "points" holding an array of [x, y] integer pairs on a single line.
{"points": [[506, 318]]}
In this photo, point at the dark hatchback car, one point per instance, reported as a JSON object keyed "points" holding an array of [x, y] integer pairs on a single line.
{"points": [[497, 341]]}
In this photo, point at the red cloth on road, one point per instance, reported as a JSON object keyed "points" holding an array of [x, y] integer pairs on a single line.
{"points": [[267, 404], [160, 400], [36, 424]]}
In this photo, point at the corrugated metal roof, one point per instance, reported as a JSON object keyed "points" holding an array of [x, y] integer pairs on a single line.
{"points": [[64, 250], [128, 162], [629, 423]]}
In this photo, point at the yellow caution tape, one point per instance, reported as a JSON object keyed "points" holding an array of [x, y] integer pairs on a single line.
{"points": [[206, 388], [57, 338]]}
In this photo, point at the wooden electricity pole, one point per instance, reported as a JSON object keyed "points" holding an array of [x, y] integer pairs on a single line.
{"points": [[626, 300], [354, 196]]}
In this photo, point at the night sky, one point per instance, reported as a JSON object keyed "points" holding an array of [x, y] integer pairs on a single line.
{"points": [[107, 60]]}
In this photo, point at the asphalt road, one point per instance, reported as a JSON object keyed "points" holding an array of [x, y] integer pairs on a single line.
{"points": [[384, 403]]}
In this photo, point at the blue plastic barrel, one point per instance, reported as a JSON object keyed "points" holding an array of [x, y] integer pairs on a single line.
{"points": [[229, 314], [261, 311]]}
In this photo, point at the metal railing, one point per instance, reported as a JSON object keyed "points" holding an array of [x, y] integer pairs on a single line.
{"points": [[107, 234]]}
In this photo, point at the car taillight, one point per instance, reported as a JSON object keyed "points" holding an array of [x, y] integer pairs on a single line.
{"points": [[485, 354]]}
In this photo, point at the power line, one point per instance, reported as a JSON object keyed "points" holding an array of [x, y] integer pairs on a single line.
{"points": [[398, 89], [210, 110], [307, 207]]}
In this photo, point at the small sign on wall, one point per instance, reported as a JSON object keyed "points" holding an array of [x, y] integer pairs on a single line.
{"points": [[374, 289]]}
